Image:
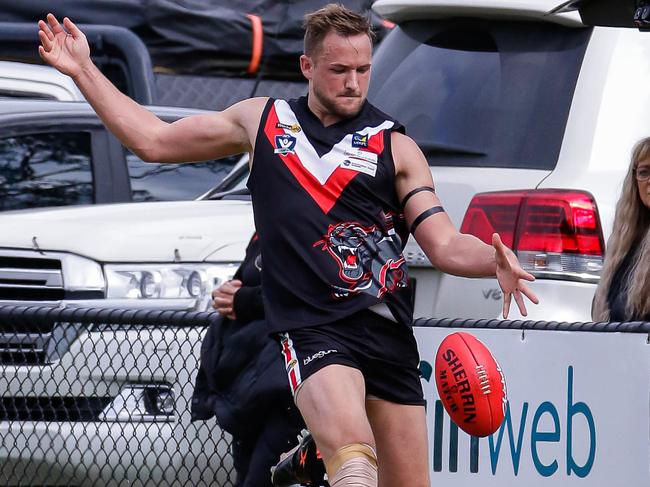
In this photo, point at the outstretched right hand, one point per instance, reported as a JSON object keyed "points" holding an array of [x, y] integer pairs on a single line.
{"points": [[66, 51]]}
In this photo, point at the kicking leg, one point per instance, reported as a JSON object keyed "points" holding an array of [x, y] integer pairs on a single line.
{"points": [[332, 403]]}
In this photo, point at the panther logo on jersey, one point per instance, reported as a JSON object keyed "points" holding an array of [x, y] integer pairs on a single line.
{"points": [[369, 260]]}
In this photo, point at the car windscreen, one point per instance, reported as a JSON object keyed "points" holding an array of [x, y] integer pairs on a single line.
{"points": [[152, 181], [481, 93]]}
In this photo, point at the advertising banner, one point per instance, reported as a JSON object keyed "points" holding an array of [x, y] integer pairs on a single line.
{"points": [[578, 412]]}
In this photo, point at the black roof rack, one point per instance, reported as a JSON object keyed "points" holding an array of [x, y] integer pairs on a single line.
{"points": [[117, 51]]}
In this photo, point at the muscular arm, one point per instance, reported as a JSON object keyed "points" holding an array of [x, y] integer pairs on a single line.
{"points": [[447, 249], [194, 138]]}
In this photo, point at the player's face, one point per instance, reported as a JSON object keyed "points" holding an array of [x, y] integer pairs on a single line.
{"points": [[338, 74]]}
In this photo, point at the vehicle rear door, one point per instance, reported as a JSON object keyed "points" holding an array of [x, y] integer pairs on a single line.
{"points": [[487, 101]]}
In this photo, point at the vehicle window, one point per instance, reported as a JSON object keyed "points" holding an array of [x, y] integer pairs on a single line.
{"points": [[46, 169], [151, 181], [478, 93]]}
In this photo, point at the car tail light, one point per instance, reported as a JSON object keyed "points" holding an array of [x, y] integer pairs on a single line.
{"points": [[555, 233]]}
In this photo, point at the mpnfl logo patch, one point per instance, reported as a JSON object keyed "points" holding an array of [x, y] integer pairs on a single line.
{"points": [[360, 141], [284, 144]]}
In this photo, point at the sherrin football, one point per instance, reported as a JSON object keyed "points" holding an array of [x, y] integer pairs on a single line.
{"points": [[470, 384]]}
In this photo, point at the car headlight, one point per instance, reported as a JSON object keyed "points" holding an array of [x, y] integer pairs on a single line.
{"points": [[170, 281]]}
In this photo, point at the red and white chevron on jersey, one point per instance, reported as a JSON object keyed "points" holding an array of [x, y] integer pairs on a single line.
{"points": [[324, 178]]}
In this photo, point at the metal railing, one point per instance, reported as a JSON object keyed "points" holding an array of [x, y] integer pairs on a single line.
{"points": [[496, 324]]}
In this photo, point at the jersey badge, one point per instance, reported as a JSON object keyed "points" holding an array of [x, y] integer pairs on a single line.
{"points": [[360, 140], [294, 127], [360, 161], [285, 144]]}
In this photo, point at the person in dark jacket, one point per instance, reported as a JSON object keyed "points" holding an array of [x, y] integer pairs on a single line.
{"points": [[242, 379], [623, 293]]}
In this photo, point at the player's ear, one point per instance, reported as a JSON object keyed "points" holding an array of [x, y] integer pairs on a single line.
{"points": [[306, 66]]}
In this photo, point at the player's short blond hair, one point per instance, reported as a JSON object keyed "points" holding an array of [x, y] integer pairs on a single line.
{"points": [[333, 17]]}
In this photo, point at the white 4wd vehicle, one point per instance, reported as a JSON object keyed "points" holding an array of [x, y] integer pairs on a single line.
{"points": [[20, 80], [526, 119]]}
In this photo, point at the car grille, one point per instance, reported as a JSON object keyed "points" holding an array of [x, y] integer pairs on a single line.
{"points": [[27, 279], [52, 408], [33, 277], [22, 349], [30, 279], [35, 343]]}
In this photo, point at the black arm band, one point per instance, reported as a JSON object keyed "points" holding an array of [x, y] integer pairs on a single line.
{"points": [[416, 191], [424, 215]]}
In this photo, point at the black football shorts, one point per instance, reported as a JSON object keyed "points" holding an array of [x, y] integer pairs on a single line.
{"points": [[384, 351]]}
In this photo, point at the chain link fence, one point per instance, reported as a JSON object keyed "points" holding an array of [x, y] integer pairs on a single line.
{"points": [[96, 397], [102, 397]]}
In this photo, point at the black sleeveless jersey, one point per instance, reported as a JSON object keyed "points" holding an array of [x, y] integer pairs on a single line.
{"points": [[330, 226]]}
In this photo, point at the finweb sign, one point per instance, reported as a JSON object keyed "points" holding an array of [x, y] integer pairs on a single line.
{"points": [[508, 441], [573, 416]]}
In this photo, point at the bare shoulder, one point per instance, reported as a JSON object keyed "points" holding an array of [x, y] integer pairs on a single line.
{"points": [[244, 118], [401, 142], [406, 152], [249, 108], [247, 112]]}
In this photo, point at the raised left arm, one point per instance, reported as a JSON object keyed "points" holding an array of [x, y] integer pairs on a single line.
{"points": [[447, 249]]}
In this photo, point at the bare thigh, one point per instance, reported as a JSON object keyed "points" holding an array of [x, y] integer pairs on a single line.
{"points": [[400, 432], [332, 403]]}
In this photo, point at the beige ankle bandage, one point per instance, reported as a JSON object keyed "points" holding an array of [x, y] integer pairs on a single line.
{"points": [[353, 465]]}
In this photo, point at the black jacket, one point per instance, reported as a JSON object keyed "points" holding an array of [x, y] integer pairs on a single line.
{"points": [[241, 376]]}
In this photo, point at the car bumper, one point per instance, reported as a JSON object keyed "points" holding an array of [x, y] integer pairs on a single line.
{"points": [[444, 296]]}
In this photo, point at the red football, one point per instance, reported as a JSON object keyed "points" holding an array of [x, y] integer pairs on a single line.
{"points": [[471, 384]]}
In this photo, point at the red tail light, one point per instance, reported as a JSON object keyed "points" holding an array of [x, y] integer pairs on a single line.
{"points": [[493, 212], [554, 232]]}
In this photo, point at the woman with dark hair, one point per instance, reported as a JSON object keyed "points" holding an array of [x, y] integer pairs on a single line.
{"points": [[623, 293], [242, 379]]}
